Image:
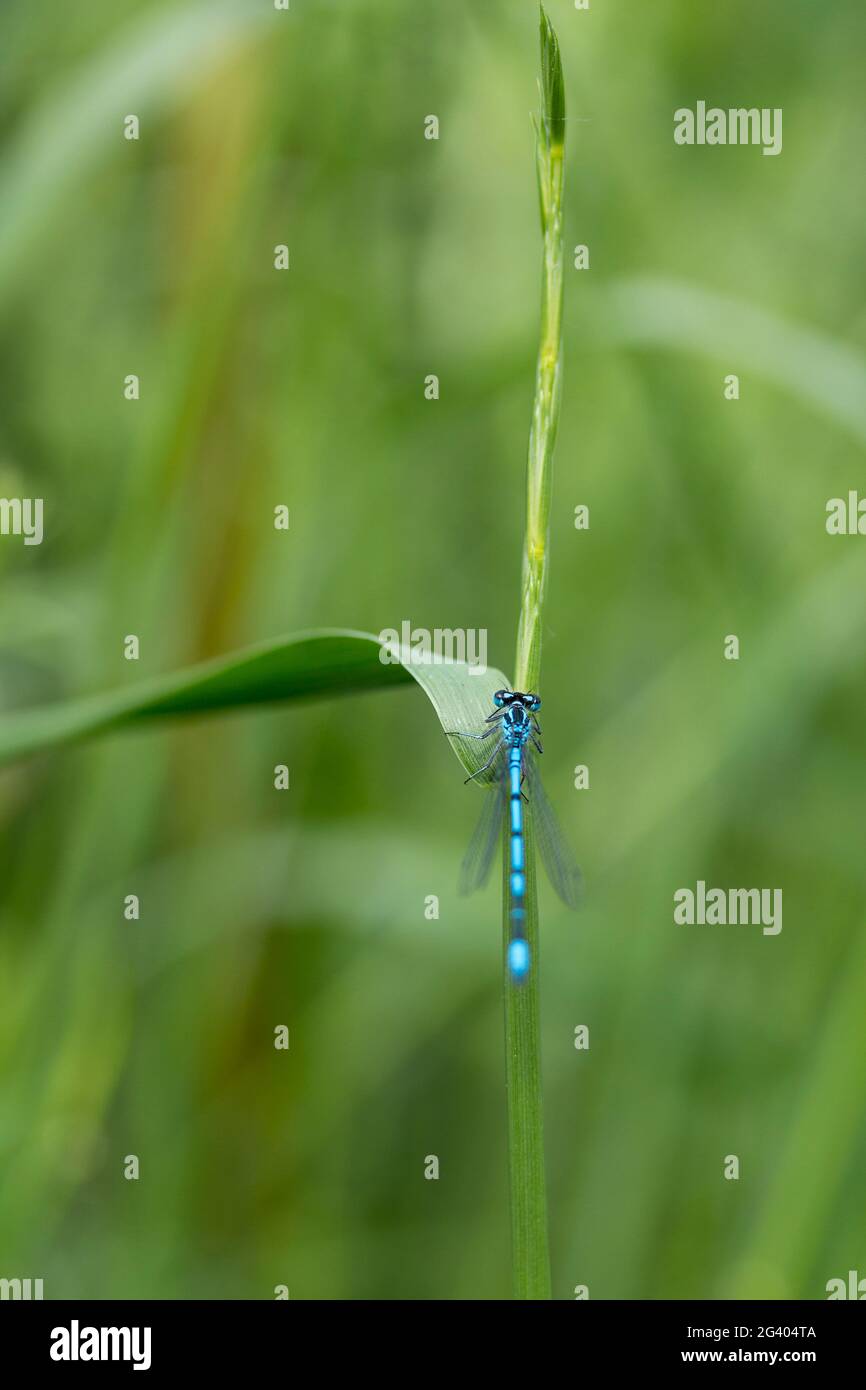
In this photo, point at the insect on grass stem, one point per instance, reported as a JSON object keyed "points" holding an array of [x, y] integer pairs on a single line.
{"points": [[528, 1190]]}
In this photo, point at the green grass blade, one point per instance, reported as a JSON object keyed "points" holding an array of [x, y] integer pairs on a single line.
{"points": [[308, 664], [550, 132]]}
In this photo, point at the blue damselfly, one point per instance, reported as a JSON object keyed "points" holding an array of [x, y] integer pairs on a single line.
{"points": [[512, 771]]}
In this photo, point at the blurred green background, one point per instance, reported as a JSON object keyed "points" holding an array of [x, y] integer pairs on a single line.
{"points": [[408, 257]]}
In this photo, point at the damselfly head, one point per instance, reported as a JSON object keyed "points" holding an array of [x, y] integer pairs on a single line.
{"points": [[516, 697]]}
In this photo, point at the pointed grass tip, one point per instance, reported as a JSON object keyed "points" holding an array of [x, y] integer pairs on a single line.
{"points": [[552, 83]]}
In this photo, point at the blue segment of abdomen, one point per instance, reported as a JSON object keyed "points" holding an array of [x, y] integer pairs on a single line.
{"points": [[518, 947], [518, 957]]}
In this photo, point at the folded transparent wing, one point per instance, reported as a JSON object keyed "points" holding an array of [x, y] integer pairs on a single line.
{"points": [[556, 856], [475, 869]]}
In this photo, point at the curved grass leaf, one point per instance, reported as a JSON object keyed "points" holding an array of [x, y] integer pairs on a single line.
{"points": [[308, 664]]}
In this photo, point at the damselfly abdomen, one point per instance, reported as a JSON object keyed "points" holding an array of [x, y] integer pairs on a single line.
{"points": [[515, 784]]}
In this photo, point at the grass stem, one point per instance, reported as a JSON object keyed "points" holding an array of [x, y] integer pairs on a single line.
{"points": [[530, 1248]]}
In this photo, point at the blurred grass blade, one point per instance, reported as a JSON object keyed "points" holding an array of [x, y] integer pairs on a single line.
{"points": [[826, 1125], [653, 312], [323, 662], [148, 64]]}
